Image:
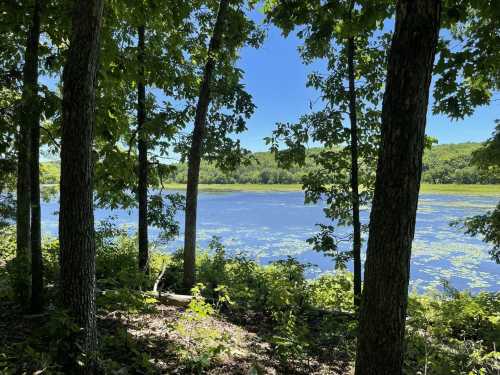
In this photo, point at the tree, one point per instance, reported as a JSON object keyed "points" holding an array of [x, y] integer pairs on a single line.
{"points": [[28, 119], [28, 189], [24, 102], [392, 220], [7, 156], [36, 222], [14, 37], [76, 218], [134, 129], [222, 108], [142, 172], [356, 221], [195, 151], [344, 35]]}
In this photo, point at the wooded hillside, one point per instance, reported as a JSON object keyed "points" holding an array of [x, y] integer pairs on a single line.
{"points": [[443, 164]]}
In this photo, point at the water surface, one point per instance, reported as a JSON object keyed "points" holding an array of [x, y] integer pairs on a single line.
{"points": [[270, 226]]}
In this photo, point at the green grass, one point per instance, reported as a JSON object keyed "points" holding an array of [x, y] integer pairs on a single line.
{"points": [[489, 190]]}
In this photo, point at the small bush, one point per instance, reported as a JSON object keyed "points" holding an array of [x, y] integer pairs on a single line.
{"points": [[453, 333], [203, 343]]}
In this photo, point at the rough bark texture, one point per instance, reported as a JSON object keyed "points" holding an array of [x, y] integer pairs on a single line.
{"points": [[356, 223], [76, 216], [195, 151], [142, 171], [36, 239], [392, 221], [28, 113]]}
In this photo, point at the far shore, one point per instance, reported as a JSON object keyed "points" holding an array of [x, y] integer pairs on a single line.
{"points": [[454, 189], [451, 189]]}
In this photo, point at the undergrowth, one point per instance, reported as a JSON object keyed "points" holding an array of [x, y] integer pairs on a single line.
{"points": [[307, 325]]}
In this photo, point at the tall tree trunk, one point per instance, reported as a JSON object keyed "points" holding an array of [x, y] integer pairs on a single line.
{"points": [[142, 171], [356, 223], [195, 151], [36, 236], [392, 221], [28, 119], [76, 216]]}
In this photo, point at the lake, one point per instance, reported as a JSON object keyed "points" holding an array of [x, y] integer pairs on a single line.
{"points": [[269, 226]]}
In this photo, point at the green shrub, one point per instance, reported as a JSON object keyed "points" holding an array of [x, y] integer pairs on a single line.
{"points": [[332, 291], [453, 333], [116, 259], [203, 343], [125, 299], [121, 348]]}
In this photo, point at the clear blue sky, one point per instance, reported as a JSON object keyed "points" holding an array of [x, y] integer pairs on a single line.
{"points": [[275, 77]]}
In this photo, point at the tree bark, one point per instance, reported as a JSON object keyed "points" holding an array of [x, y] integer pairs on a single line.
{"points": [[392, 222], [195, 152], [36, 233], [142, 172], [28, 119], [76, 216], [356, 223]]}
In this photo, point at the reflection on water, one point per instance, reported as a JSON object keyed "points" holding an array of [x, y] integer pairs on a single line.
{"points": [[269, 226]]}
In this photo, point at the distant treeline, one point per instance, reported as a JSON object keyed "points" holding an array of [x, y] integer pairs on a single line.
{"points": [[443, 164], [451, 164]]}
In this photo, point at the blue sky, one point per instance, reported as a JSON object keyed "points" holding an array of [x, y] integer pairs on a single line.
{"points": [[275, 76]]}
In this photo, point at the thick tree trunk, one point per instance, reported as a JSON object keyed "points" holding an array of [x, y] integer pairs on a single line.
{"points": [[76, 216], [392, 221], [195, 152], [36, 236], [142, 171], [356, 223]]}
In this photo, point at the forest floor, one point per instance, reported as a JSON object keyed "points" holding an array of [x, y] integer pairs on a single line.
{"points": [[158, 339]]}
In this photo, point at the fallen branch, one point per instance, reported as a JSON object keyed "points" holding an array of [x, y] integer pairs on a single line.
{"points": [[160, 276], [171, 299]]}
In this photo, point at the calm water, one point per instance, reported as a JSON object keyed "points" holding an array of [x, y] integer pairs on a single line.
{"points": [[270, 226]]}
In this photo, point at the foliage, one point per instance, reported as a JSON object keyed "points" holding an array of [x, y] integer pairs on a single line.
{"points": [[332, 292], [307, 316], [279, 292], [116, 258], [487, 226], [9, 267], [445, 164], [442, 164], [453, 332], [303, 320], [204, 344], [487, 158], [176, 45], [49, 173], [119, 347], [127, 300], [467, 63]]}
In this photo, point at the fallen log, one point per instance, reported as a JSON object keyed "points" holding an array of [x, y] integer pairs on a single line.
{"points": [[179, 300], [172, 299]]}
